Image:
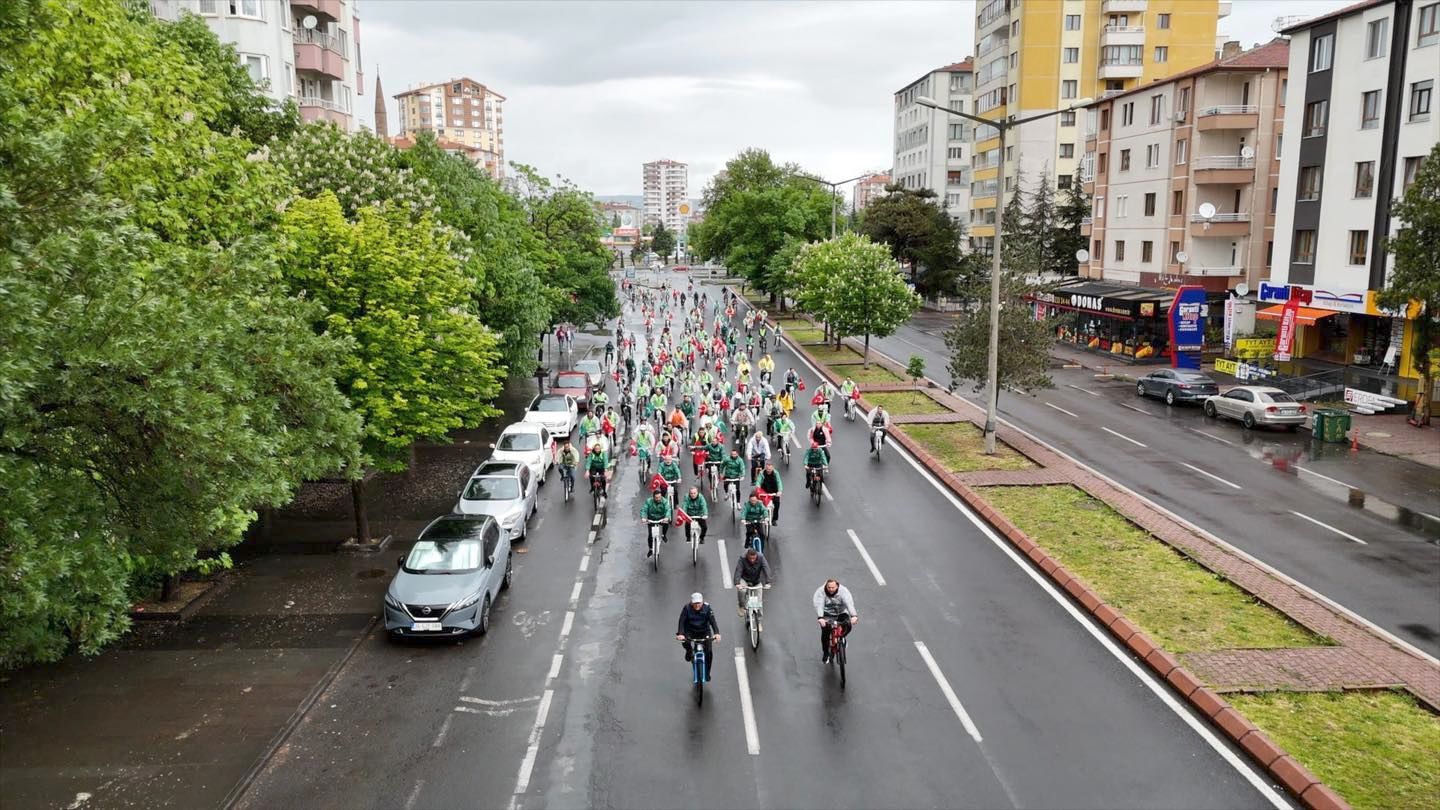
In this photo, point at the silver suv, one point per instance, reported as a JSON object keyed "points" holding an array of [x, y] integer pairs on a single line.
{"points": [[449, 580]]}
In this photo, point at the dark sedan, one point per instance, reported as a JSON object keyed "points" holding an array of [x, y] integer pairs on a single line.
{"points": [[1176, 385]]}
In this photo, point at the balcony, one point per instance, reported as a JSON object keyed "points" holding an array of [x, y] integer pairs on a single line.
{"points": [[1122, 35], [1220, 225], [1120, 69], [314, 108], [1227, 170], [1193, 269], [327, 10], [1123, 6], [319, 57], [1227, 116]]}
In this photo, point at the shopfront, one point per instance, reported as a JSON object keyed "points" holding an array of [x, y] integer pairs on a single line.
{"points": [[1345, 329], [1125, 321]]}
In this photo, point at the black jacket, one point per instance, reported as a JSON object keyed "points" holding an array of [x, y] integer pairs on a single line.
{"points": [[697, 623]]}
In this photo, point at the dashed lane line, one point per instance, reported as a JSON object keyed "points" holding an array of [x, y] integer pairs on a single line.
{"points": [[527, 765], [950, 696], [724, 565], [865, 555], [1083, 390], [1208, 435], [1213, 476], [1062, 410], [1123, 436], [1346, 535], [747, 707]]}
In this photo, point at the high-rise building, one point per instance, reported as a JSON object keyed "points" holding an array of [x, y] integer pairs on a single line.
{"points": [[667, 196], [462, 111], [1158, 154], [1037, 57], [1360, 117], [868, 189], [932, 148], [305, 50]]}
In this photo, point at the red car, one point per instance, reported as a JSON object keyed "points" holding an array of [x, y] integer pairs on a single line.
{"points": [[575, 384], [680, 268]]}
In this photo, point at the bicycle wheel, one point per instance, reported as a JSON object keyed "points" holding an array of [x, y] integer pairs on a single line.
{"points": [[694, 547], [655, 558], [840, 660], [817, 488], [754, 621]]}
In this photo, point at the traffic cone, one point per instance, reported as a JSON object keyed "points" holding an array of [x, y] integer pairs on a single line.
{"points": [[1354, 440]]}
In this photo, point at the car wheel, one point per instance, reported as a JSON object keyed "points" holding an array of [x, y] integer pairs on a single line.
{"points": [[1169, 397], [1291, 428], [1210, 409], [509, 572], [1139, 389], [1248, 420], [483, 625]]}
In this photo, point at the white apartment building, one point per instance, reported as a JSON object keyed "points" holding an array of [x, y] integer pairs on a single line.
{"points": [[932, 148], [667, 196], [307, 51]]}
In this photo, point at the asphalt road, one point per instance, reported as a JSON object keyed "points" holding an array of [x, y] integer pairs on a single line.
{"points": [[972, 683], [1278, 496]]}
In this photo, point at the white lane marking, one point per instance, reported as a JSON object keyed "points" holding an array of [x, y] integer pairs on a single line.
{"points": [[1334, 481], [585, 563], [854, 538], [527, 765], [724, 565], [1346, 535], [1086, 390], [505, 712], [488, 702], [954, 701], [1211, 436], [1211, 475], [444, 729], [826, 490], [590, 541], [415, 792], [465, 681], [1123, 436], [596, 521], [565, 628], [1062, 410], [1135, 409], [554, 667], [747, 708], [575, 593]]}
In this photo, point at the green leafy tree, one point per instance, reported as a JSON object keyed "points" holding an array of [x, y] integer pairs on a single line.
{"points": [[915, 369], [919, 232], [663, 241], [1072, 209], [856, 286], [359, 169], [1416, 277], [1024, 356], [568, 252]]}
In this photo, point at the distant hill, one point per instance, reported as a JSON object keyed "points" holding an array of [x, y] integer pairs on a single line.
{"points": [[637, 200]]}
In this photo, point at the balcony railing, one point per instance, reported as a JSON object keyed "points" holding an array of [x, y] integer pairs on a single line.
{"points": [[1122, 6], [1111, 93], [1219, 270], [1228, 109], [1124, 29], [1223, 162], [324, 103], [1218, 218], [315, 36]]}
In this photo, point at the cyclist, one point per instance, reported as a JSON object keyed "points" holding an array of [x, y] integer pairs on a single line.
{"points": [[879, 420], [669, 470], [786, 401], [733, 469], [751, 569], [792, 379], [630, 368], [847, 392], [767, 363], [609, 352], [815, 462], [714, 454], [695, 505], [758, 450], [833, 601], [754, 516], [656, 509], [598, 401], [597, 463], [820, 436], [699, 451], [589, 424], [627, 405], [569, 458], [679, 421], [769, 481]]}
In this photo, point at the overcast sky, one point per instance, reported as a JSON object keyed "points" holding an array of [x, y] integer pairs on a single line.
{"points": [[595, 89]]}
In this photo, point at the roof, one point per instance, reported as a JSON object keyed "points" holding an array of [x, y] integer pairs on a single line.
{"points": [[422, 88], [1344, 12], [1273, 55], [406, 142], [966, 65]]}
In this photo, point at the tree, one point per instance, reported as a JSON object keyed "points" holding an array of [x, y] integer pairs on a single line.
{"points": [[1416, 277], [1024, 342], [359, 169], [663, 241], [915, 369], [567, 251], [919, 232], [1073, 209], [856, 286], [1040, 227]]}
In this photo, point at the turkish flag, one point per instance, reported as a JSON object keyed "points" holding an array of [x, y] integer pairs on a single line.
{"points": [[656, 483], [855, 395], [818, 399], [681, 518], [765, 497], [800, 385]]}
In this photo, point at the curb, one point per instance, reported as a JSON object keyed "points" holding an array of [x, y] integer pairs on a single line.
{"points": [[1284, 769], [217, 587]]}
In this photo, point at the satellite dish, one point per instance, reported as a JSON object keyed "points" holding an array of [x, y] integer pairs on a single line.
{"points": [[1242, 289], [1247, 152], [309, 21], [1182, 257], [1207, 210], [1082, 255]]}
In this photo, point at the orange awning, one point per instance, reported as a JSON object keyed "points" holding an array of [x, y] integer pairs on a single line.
{"points": [[1305, 316]]}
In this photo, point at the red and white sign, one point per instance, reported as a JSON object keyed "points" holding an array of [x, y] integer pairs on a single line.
{"points": [[1286, 339]]}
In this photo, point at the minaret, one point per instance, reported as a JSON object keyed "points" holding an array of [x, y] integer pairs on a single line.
{"points": [[382, 124]]}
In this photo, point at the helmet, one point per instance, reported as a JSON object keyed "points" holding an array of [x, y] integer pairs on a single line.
{"points": [[696, 598]]}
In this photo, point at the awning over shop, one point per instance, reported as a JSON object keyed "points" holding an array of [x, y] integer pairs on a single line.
{"points": [[1112, 300], [1305, 316]]}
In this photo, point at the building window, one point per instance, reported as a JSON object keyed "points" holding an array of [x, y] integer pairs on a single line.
{"points": [[1147, 252], [956, 153], [1152, 156], [1105, 119], [1428, 32], [1174, 252], [1375, 38], [1304, 247], [1071, 56], [1098, 254], [1370, 109], [1177, 202], [1119, 250], [247, 8], [1365, 179], [1122, 206], [1014, 60], [1101, 162], [1099, 207], [1322, 49], [255, 66], [1150, 204], [1309, 184], [1067, 118], [1064, 180], [1157, 109], [209, 7], [1359, 246], [1067, 150], [1183, 105], [1181, 148], [1015, 29], [289, 79], [1274, 198], [1162, 21], [1069, 88], [1162, 53], [1279, 145], [1316, 113], [1420, 93], [1124, 160], [1072, 22], [1127, 114], [1412, 168]]}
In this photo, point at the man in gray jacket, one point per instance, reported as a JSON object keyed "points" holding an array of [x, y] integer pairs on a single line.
{"points": [[833, 601], [750, 569]]}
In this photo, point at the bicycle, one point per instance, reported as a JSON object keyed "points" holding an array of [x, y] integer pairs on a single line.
{"points": [[836, 646], [849, 409], [878, 437], [597, 491], [644, 465], [712, 470], [694, 526], [755, 534], [815, 482], [697, 665], [732, 494], [755, 612], [567, 477], [656, 541]]}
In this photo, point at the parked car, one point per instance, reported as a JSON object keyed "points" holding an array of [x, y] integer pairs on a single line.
{"points": [[681, 268], [574, 384], [449, 580], [557, 412], [529, 443], [1257, 405], [1176, 385], [594, 372], [504, 490]]}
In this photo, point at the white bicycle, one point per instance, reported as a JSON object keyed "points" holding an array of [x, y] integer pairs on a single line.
{"points": [[755, 612], [877, 435], [849, 409], [656, 541], [694, 526], [732, 494]]}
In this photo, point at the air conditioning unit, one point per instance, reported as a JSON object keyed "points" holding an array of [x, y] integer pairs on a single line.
{"points": [[1180, 116]]}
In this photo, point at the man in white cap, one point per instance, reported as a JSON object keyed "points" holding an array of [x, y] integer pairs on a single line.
{"points": [[697, 621]]}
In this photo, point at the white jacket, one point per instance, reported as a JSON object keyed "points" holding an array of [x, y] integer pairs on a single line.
{"points": [[841, 601]]}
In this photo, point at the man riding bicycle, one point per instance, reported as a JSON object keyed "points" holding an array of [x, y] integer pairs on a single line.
{"points": [[833, 602], [695, 505], [597, 463], [697, 621], [714, 454], [743, 420], [569, 459], [589, 423], [815, 463], [757, 449], [609, 352], [669, 470], [751, 569], [879, 420], [656, 509], [769, 481], [754, 516]]}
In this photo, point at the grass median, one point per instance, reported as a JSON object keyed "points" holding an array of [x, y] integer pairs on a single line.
{"points": [[1377, 749], [961, 448], [905, 402], [829, 354], [1178, 602], [808, 334], [874, 375]]}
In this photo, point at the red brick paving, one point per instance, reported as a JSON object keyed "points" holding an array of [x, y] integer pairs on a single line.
{"points": [[1303, 670]]}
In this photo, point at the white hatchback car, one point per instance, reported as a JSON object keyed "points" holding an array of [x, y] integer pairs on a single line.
{"points": [[528, 442], [558, 413]]}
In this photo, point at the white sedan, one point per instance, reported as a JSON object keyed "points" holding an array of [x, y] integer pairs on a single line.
{"points": [[557, 412], [529, 443]]}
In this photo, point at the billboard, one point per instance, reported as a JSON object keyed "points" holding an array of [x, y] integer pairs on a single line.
{"points": [[1187, 327]]}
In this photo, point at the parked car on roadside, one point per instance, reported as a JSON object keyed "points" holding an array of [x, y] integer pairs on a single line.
{"points": [[1176, 385], [573, 384], [557, 412], [529, 443], [1257, 405], [504, 490], [449, 580], [594, 372]]}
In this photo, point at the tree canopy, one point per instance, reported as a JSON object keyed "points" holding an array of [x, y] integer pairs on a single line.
{"points": [[1416, 277], [855, 286], [663, 241], [919, 232]]}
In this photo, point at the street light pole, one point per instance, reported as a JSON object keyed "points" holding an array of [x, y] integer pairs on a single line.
{"points": [[834, 200], [992, 360]]}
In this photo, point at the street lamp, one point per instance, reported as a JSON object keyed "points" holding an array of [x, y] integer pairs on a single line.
{"points": [[833, 194], [1002, 126]]}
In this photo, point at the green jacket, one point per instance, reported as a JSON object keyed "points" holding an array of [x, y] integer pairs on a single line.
{"points": [[815, 457], [734, 467], [715, 451], [779, 485], [755, 512], [669, 470], [695, 507], [656, 511], [595, 463]]}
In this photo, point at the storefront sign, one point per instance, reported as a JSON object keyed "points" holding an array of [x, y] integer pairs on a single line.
{"points": [[1187, 327], [1357, 302], [1365, 399], [1397, 338], [1273, 292], [1098, 304], [1256, 346], [1229, 323], [1286, 339], [1223, 366]]}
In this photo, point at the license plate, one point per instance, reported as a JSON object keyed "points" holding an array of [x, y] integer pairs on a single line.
{"points": [[425, 627]]}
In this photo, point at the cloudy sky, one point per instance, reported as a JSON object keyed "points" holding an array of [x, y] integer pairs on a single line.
{"points": [[595, 89]]}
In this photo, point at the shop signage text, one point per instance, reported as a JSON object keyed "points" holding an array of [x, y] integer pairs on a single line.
{"points": [[1242, 371], [1187, 327]]}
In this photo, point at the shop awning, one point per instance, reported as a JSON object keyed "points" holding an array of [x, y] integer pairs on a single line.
{"points": [[1305, 316], [1110, 300]]}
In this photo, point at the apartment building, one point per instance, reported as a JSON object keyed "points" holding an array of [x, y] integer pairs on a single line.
{"points": [[1360, 115], [1183, 174], [1038, 56], [667, 196], [868, 189], [302, 50], [932, 148], [463, 111]]}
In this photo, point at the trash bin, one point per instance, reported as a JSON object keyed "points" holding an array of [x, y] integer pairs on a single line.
{"points": [[1331, 425]]}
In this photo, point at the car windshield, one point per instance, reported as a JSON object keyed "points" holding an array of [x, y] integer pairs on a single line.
{"points": [[550, 405], [572, 379], [445, 556], [1275, 396], [588, 365], [518, 441], [492, 489]]}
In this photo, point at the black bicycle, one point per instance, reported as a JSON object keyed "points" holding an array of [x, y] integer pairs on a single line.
{"points": [[815, 482]]}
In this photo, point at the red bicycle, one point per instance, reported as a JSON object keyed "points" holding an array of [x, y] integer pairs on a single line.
{"points": [[836, 644]]}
